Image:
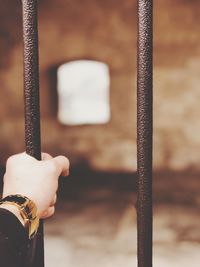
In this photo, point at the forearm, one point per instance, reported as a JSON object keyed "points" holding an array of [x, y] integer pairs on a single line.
{"points": [[13, 240], [14, 210]]}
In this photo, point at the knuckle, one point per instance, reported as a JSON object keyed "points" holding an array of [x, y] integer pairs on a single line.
{"points": [[52, 210], [64, 159], [53, 168], [10, 160], [68, 162]]}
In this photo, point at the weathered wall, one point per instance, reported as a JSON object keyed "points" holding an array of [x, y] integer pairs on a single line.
{"points": [[105, 30]]}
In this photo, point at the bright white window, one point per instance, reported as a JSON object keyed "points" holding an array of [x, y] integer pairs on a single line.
{"points": [[83, 93]]}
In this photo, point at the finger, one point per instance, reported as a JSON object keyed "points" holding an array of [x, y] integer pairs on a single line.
{"points": [[53, 201], [46, 156], [62, 164], [19, 156], [48, 213]]}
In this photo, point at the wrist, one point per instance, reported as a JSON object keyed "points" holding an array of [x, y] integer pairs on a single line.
{"points": [[14, 210], [27, 212]]}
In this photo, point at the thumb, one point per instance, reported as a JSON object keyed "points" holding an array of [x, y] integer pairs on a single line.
{"points": [[62, 164]]}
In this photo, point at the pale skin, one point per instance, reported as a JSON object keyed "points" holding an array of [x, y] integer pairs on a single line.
{"points": [[37, 180]]}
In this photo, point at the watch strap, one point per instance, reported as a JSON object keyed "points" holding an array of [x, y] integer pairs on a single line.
{"points": [[28, 212]]}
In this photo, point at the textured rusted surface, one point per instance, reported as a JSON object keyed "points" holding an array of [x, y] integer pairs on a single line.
{"points": [[32, 107], [144, 133]]}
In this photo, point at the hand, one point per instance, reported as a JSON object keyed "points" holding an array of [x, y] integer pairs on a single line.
{"points": [[37, 180]]}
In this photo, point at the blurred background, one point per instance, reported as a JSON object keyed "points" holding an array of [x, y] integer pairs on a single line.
{"points": [[95, 222]]}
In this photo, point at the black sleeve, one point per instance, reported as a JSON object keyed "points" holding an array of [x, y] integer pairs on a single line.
{"points": [[14, 240]]}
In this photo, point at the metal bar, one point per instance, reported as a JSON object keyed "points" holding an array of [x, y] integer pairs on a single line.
{"points": [[144, 131], [32, 108]]}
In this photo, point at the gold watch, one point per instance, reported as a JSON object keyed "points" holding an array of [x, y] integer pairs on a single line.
{"points": [[28, 212]]}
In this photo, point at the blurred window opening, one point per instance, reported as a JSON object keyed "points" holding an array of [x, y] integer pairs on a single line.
{"points": [[83, 93]]}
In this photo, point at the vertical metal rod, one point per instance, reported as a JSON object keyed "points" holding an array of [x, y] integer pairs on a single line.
{"points": [[32, 108], [144, 131]]}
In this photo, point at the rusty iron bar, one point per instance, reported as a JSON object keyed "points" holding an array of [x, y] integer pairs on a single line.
{"points": [[144, 131], [35, 256]]}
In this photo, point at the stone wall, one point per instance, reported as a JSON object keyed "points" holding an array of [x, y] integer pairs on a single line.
{"points": [[105, 30]]}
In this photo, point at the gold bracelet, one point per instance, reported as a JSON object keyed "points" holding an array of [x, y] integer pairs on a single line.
{"points": [[28, 212]]}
